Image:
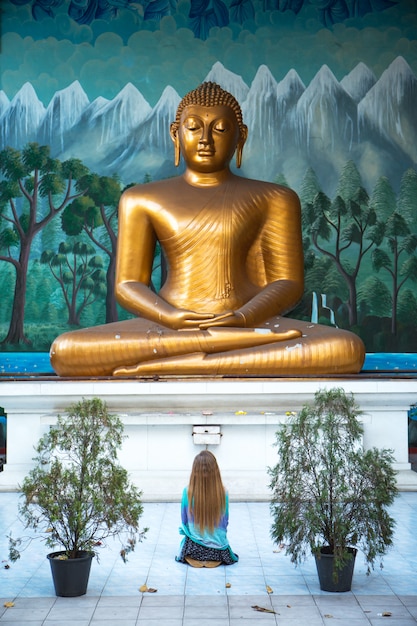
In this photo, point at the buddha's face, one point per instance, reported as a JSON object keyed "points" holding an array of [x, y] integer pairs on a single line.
{"points": [[208, 137]]}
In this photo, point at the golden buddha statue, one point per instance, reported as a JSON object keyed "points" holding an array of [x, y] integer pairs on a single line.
{"points": [[235, 267]]}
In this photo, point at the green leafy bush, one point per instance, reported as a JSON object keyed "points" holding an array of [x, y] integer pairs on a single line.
{"points": [[326, 489], [78, 495]]}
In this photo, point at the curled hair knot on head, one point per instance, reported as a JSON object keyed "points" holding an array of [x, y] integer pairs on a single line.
{"points": [[209, 94]]}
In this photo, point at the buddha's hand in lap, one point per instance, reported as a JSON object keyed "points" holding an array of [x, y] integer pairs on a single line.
{"points": [[229, 319], [183, 319]]}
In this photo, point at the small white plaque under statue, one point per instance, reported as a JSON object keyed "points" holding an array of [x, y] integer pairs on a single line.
{"points": [[206, 435]]}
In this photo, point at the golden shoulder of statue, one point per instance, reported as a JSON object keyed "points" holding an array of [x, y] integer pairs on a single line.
{"points": [[235, 266]]}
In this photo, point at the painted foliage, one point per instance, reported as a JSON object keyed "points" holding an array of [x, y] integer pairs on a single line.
{"points": [[328, 90]]}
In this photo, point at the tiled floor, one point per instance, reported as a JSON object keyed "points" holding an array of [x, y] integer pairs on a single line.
{"points": [[225, 596]]}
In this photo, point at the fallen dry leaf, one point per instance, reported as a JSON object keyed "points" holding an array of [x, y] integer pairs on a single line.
{"points": [[262, 609], [8, 605], [269, 590]]}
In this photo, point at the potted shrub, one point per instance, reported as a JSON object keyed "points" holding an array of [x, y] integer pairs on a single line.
{"points": [[329, 495], [78, 495]]}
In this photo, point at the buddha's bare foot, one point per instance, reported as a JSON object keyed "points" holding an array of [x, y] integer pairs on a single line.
{"points": [[285, 335], [132, 370], [158, 366]]}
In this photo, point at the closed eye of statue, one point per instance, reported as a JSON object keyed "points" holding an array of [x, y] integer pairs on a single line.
{"points": [[221, 128]]}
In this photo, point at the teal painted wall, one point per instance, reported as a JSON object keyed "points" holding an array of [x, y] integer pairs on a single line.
{"points": [[328, 90]]}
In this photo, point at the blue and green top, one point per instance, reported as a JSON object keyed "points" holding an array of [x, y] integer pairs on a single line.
{"points": [[216, 539]]}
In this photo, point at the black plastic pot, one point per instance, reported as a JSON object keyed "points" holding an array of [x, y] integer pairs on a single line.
{"points": [[70, 576], [343, 580]]}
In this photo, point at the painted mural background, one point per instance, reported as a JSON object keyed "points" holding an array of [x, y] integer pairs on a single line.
{"points": [[328, 90]]}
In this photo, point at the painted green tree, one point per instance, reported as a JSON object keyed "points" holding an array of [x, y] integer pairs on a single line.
{"points": [[95, 214], [399, 257], [345, 230], [79, 272], [310, 187], [374, 297], [34, 190]]}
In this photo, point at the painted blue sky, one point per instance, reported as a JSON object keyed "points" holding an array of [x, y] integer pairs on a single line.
{"points": [[106, 54]]}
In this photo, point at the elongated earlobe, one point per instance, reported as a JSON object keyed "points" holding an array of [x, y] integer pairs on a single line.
{"points": [[177, 153], [173, 131], [239, 148], [239, 151]]}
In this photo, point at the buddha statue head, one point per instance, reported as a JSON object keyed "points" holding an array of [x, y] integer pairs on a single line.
{"points": [[211, 95]]}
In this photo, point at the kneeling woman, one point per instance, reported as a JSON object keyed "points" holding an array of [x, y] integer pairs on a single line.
{"points": [[205, 516]]}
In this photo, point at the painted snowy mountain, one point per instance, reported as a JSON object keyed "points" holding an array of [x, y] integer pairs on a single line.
{"points": [[62, 113], [323, 125], [104, 123], [20, 122], [4, 103], [325, 113], [291, 126], [267, 112], [261, 115], [149, 149], [289, 91], [229, 81], [390, 108], [358, 82]]}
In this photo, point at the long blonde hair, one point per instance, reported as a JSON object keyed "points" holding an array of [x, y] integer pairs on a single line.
{"points": [[206, 493]]}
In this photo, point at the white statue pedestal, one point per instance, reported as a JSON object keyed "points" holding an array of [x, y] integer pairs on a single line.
{"points": [[235, 418]]}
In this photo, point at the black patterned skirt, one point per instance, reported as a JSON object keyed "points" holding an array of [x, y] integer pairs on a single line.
{"points": [[202, 553]]}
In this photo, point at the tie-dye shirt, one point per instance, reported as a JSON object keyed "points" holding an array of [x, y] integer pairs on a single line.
{"points": [[216, 539]]}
